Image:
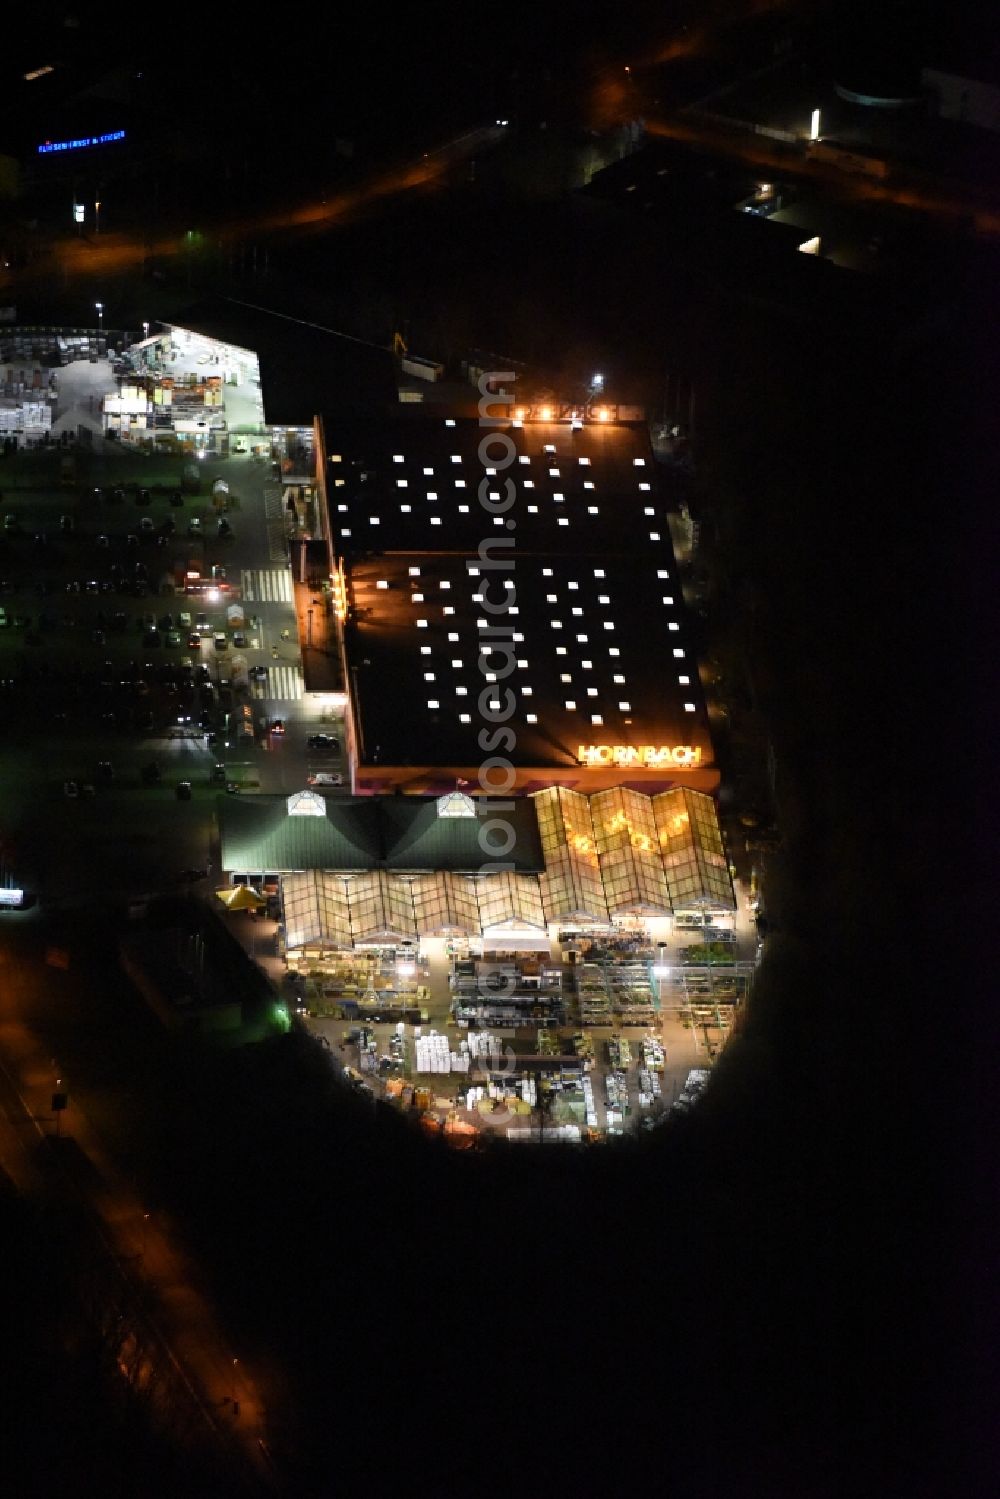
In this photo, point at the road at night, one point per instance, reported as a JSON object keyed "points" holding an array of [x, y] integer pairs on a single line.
{"points": [[186, 1359]]}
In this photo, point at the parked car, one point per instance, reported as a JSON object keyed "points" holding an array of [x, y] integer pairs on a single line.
{"points": [[326, 778], [323, 742]]}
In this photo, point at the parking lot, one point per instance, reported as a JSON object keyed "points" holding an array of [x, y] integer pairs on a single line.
{"points": [[146, 620]]}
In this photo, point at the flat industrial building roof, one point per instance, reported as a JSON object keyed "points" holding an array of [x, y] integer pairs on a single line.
{"points": [[598, 630]]}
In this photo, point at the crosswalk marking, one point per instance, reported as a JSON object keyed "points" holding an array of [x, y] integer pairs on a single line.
{"points": [[284, 683], [267, 585]]}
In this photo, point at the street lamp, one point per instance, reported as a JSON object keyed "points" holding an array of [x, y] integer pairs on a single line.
{"points": [[100, 316], [97, 216], [145, 331]]}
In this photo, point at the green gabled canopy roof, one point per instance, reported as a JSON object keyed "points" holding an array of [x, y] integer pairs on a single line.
{"points": [[417, 838], [258, 833], [364, 832]]}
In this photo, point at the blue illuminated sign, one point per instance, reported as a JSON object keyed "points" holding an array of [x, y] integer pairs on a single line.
{"points": [[87, 140]]}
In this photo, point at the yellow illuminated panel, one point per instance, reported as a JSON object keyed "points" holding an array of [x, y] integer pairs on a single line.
{"points": [[339, 585], [645, 756]]}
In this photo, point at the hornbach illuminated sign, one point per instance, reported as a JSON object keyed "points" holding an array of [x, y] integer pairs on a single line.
{"points": [[86, 140], [645, 756]]}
